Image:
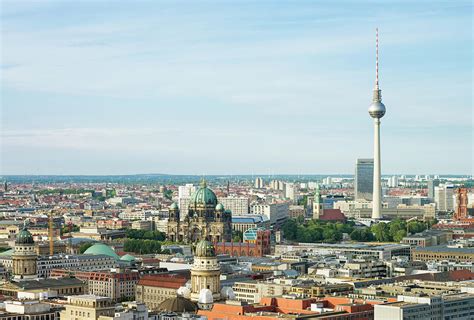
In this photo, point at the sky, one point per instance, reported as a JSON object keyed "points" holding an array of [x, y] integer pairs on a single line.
{"points": [[233, 87]]}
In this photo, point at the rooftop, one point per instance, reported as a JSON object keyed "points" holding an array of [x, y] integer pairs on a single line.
{"points": [[444, 248]]}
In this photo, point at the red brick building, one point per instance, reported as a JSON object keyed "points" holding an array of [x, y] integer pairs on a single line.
{"points": [[256, 244]]}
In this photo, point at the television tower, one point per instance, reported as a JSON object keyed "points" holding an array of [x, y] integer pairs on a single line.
{"points": [[377, 111]]}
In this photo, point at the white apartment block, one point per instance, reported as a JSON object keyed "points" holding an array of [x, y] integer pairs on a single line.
{"points": [[186, 191], [275, 212], [237, 205], [259, 183], [453, 306]]}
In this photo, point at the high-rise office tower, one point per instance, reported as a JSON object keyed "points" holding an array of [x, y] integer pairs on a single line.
{"points": [[363, 179], [377, 111], [444, 198], [431, 187]]}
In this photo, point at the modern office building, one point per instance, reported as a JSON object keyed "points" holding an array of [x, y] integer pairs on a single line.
{"points": [[444, 198], [431, 184], [364, 179], [377, 111]]}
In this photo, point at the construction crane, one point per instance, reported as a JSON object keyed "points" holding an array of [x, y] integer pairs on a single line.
{"points": [[50, 234], [69, 242]]}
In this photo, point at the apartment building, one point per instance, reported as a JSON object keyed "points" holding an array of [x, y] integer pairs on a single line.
{"points": [[154, 289], [452, 306], [116, 284], [87, 307]]}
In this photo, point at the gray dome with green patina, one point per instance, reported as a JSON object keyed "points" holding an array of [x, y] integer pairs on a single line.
{"points": [[203, 196], [205, 248], [24, 237]]}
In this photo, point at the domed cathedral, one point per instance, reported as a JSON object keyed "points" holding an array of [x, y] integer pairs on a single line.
{"points": [[24, 256], [205, 275], [206, 219]]}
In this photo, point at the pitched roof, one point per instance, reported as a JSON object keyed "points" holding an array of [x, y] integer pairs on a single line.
{"points": [[171, 281], [332, 215]]}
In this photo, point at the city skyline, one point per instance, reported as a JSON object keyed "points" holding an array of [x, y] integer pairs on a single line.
{"points": [[91, 88]]}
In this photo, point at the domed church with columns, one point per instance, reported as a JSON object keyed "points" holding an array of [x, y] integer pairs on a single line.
{"points": [[206, 219]]}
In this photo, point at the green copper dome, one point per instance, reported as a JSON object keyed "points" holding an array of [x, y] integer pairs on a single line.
{"points": [[100, 248], [203, 196], [128, 258], [24, 237], [205, 249], [220, 207]]}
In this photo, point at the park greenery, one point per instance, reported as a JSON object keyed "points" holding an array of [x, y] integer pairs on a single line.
{"points": [[145, 235], [237, 236], [65, 229], [84, 246], [143, 246], [321, 231]]}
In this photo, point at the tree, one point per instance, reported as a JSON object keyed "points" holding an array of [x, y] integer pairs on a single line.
{"points": [[142, 246], [416, 226], [84, 246], [315, 231], [237, 236], [65, 229], [144, 234], [399, 235], [381, 232]]}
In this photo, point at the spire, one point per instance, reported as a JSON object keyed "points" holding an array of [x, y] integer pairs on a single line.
{"points": [[203, 183], [377, 92], [377, 58]]}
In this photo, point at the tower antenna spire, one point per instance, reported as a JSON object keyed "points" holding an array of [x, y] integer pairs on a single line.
{"points": [[377, 58]]}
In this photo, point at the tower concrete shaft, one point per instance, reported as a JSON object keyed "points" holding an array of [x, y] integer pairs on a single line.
{"points": [[377, 192]]}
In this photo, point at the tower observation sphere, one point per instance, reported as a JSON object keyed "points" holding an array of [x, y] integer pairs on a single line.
{"points": [[377, 110]]}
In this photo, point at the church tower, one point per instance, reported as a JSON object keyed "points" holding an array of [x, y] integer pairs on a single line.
{"points": [[24, 256], [318, 204], [205, 275]]}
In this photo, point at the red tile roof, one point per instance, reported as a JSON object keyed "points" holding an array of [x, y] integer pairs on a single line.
{"points": [[332, 215], [171, 281]]}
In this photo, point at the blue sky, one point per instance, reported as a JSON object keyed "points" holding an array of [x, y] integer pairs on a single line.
{"points": [[233, 87]]}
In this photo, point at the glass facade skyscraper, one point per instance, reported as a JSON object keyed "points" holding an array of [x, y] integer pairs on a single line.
{"points": [[364, 179]]}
